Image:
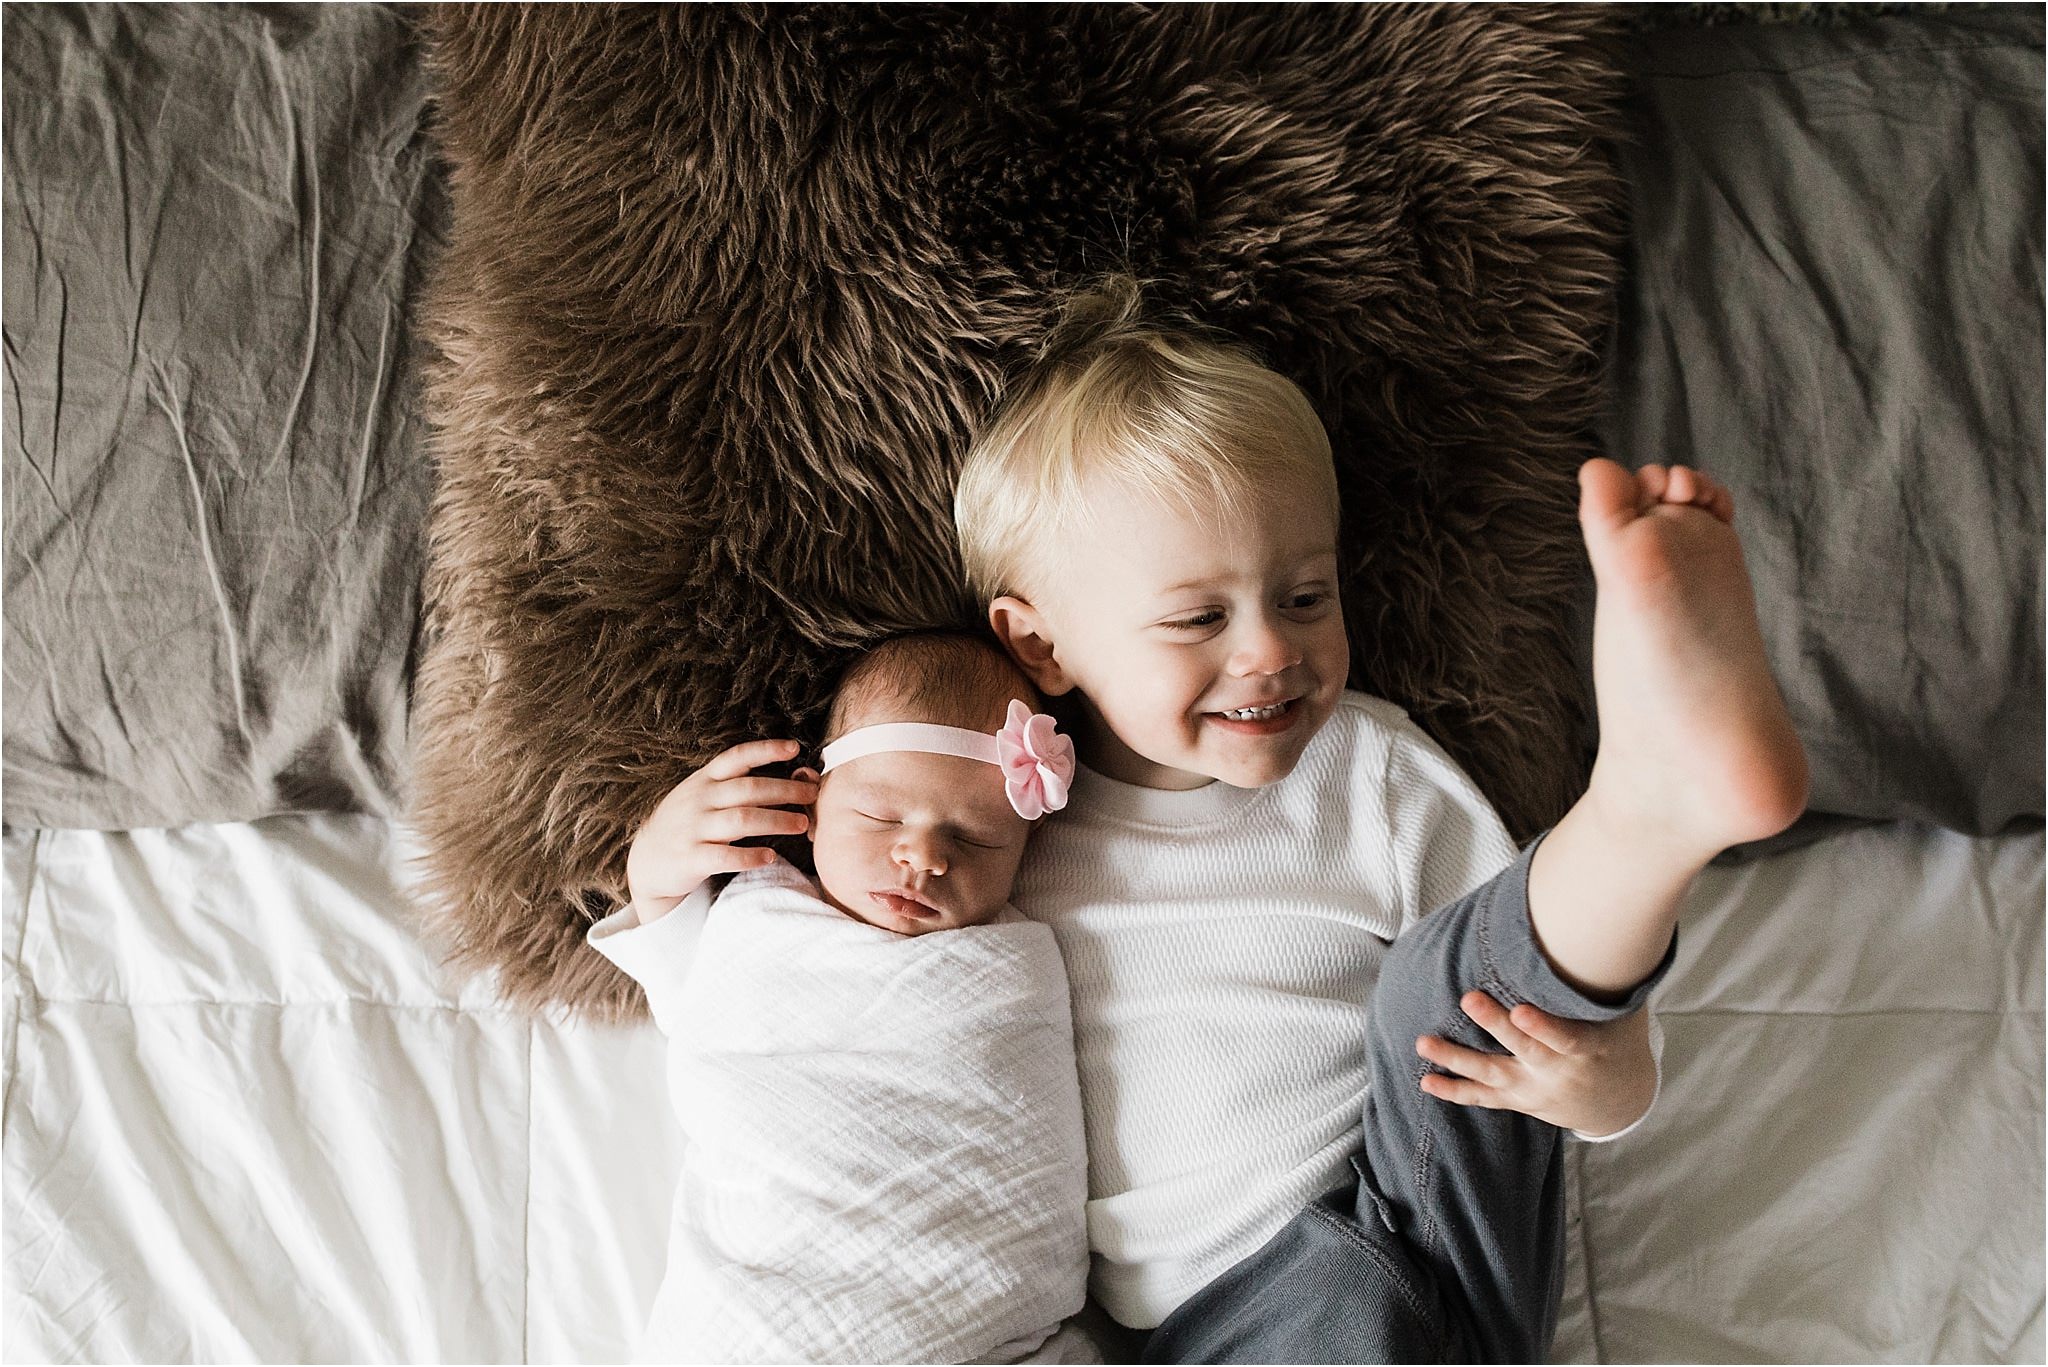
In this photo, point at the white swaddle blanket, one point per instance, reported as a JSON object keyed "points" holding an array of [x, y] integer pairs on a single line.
{"points": [[884, 1157]]}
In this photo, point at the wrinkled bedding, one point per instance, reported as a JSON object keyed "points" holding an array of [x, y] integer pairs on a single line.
{"points": [[218, 218], [245, 1120], [1834, 306], [216, 486]]}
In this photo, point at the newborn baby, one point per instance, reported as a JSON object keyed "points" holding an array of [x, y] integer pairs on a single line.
{"points": [[874, 1072]]}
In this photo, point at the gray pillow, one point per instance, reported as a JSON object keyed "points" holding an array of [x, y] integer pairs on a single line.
{"points": [[1834, 305], [214, 486]]}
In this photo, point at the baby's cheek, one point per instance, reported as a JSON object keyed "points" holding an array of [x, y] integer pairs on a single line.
{"points": [[842, 863], [1001, 880]]}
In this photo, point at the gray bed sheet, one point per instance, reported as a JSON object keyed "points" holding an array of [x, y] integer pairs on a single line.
{"points": [[217, 219], [215, 482], [1834, 305]]}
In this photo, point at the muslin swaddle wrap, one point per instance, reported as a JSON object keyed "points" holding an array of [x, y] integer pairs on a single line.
{"points": [[884, 1157]]}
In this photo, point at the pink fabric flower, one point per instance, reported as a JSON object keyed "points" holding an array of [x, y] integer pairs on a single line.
{"points": [[1038, 762]]}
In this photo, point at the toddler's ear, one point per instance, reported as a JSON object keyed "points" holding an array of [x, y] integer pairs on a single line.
{"points": [[1024, 633]]}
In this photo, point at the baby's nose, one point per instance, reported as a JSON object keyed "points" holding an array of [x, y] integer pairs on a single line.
{"points": [[921, 855]]}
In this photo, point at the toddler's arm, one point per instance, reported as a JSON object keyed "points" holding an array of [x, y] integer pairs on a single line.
{"points": [[679, 849], [1596, 1079], [690, 836]]}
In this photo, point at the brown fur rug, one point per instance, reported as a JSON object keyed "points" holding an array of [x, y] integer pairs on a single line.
{"points": [[728, 288]]}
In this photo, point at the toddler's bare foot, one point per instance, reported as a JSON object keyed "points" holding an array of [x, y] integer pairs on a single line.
{"points": [[1697, 751]]}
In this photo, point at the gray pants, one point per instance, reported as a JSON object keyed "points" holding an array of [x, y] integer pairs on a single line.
{"points": [[1449, 1246]]}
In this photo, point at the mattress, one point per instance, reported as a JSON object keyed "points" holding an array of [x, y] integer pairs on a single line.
{"points": [[246, 1118]]}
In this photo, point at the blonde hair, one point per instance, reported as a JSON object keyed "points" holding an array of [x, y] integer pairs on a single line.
{"points": [[1176, 412]]}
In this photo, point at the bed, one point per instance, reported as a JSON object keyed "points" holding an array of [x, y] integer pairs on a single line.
{"points": [[249, 1121], [250, 1116]]}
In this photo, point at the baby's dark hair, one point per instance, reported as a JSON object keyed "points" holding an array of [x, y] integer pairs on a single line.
{"points": [[948, 678]]}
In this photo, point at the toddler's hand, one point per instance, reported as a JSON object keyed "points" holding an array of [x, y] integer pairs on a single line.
{"points": [[689, 837], [1577, 1075]]}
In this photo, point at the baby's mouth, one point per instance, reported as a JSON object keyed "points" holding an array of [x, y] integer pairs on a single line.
{"points": [[902, 902]]}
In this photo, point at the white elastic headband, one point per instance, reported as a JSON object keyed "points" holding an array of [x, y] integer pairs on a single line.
{"points": [[917, 736], [1036, 760]]}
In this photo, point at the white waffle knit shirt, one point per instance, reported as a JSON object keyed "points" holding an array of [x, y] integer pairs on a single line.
{"points": [[1221, 945]]}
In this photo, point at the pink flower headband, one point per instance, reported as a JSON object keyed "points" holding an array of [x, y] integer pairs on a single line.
{"points": [[1036, 760]]}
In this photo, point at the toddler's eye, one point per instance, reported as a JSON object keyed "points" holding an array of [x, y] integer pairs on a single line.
{"points": [[878, 820], [1306, 601], [1197, 622]]}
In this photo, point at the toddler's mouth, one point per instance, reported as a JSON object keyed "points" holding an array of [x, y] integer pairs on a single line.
{"points": [[1269, 720]]}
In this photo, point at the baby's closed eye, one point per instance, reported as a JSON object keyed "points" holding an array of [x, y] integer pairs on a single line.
{"points": [[984, 840]]}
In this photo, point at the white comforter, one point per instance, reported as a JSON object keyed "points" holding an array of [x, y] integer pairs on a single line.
{"points": [[245, 1120], [884, 1158]]}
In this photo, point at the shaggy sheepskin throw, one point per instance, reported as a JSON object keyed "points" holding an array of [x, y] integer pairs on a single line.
{"points": [[728, 289]]}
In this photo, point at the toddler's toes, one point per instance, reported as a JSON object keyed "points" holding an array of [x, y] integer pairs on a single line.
{"points": [[1682, 485], [1716, 499], [1701, 490], [1653, 480], [1607, 497], [1723, 505]]}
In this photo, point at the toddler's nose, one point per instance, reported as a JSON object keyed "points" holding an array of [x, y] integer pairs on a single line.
{"points": [[1262, 648]]}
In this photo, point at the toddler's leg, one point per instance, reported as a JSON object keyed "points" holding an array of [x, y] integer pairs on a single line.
{"points": [[1477, 1194], [1449, 1246], [1697, 751]]}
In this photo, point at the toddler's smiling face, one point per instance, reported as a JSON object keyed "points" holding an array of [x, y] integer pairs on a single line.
{"points": [[1203, 647]]}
